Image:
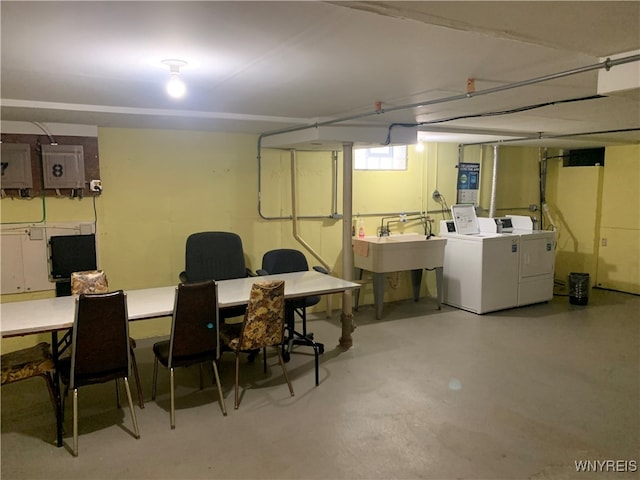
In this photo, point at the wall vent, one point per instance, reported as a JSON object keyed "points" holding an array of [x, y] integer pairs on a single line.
{"points": [[584, 157]]}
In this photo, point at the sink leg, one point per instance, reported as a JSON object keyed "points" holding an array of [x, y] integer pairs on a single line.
{"points": [[378, 292], [439, 275], [357, 274], [416, 280]]}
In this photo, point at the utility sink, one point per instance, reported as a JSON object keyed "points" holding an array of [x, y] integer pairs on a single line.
{"points": [[397, 253]]}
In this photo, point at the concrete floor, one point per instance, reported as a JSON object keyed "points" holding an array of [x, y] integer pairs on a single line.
{"points": [[518, 394]]}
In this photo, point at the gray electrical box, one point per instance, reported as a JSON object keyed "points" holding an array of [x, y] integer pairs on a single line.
{"points": [[16, 166], [63, 166]]}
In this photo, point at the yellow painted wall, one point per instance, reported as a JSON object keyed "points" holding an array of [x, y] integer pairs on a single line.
{"points": [[160, 186], [592, 205], [618, 264], [573, 198]]}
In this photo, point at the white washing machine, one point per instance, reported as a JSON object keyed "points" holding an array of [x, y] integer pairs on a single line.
{"points": [[537, 256], [480, 269]]}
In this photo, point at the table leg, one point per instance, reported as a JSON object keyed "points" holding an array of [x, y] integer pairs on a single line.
{"points": [[416, 280], [378, 292], [56, 388]]}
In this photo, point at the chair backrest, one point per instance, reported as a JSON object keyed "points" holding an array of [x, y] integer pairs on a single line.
{"points": [[194, 327], [214, 256], [284, 260], [100, 346], [263, 323], [90, 281]]}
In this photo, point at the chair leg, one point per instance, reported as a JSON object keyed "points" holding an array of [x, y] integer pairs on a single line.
{"points": [[134, 367], [133, 412], [237, 379], [215, 372], [317, 361], [200, 367], [75, 422], [264, 359], [155, 378], [173, 399], [118, 394], [284, 369], [64, 399], [49, 380]]}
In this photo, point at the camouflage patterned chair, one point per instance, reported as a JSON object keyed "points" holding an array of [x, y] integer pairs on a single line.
{"points": [[27, 363], [262, 327]]}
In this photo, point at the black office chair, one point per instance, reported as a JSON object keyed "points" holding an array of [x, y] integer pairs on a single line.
{"points": [[215, 256], [99, 349], [285, 260], [194, 337]]}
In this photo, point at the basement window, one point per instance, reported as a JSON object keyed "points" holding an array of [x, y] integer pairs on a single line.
{"points": [[381, 158]]}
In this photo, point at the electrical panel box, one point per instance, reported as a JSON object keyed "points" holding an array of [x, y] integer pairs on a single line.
{"points": [[63, 166], [16, 166]]}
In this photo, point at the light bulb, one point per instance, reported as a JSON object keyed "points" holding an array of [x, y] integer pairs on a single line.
{"points": [[176, 87]]}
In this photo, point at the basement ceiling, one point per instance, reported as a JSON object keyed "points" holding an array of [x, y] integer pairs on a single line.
{"points": [[263, 67]]}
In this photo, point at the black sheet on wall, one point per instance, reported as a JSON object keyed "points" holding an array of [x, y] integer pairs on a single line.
{"points": [[72, 253]]}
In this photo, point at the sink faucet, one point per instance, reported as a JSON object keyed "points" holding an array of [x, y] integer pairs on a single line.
{"points": [[384, 231]]}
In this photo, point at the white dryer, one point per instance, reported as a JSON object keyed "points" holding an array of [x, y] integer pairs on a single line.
{"points": [[537, 261], [480, 269], [537, 256]]}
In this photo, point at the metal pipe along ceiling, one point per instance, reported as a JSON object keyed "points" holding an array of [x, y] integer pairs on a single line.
{"points": [[607, 64]]}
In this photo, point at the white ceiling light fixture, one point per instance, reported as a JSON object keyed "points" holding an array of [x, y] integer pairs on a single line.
{"points": [[175, 87]]}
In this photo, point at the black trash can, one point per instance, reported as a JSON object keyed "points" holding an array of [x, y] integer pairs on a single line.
{"points": [[579, 284]]}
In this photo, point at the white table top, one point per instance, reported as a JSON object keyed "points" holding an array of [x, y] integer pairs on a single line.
{"points": [[50, 314]]}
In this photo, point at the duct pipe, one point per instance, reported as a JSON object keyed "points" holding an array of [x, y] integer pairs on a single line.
{"points": [[346, 317], [494, 183], [294, 211]]}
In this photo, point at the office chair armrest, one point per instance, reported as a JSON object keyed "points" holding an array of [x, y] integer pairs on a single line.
{"points": [[261, 272], [183, 277], [320, 269]]}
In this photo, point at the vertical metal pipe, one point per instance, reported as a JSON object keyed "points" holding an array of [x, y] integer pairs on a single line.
{"points": [[494, 183], [346, 317], [334, 197]]}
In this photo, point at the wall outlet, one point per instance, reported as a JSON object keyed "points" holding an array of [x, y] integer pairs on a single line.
{"points": [[95, 186]]}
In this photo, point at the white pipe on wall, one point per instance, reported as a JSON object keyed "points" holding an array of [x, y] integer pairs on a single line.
{"points": [[346, 318], [494, 183], [294, 214]]}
